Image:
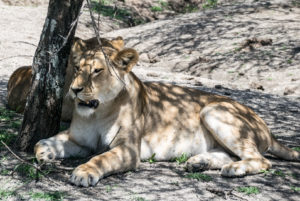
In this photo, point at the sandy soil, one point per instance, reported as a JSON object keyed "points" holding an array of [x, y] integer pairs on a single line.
{"points": [[205, 50]]}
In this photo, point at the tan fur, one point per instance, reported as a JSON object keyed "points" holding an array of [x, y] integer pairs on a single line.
{"points": [[20, 81], [134, 120]]}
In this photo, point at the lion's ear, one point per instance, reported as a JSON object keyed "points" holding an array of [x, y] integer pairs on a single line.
{"points": [[117, 43], [79, 45], [126, 59]]}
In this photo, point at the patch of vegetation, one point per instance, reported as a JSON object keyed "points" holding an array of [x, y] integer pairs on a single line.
{"points": [[273, 172], [296, 148], [108, 188], [49, 196], [163, 5], [181, 159], [139, 199], [156, 9], [10, 124], [16, 124], [210, 4], [296, 189], [151, 159], [106, 8], [248, 190], [296, 3], [28, 171], [199, 176], [4, 194], [190, 8], [4, 172], [6, 115], [7, 137]]}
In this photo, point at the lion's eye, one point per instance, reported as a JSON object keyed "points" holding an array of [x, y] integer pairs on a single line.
{"points": [[98, 70]]}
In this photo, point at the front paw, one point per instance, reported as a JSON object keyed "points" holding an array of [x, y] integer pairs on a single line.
{"points": [[44, 152], [85, 175]]}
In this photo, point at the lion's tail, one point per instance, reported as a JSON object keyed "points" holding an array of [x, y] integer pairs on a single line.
{"points": [[283, 152]]}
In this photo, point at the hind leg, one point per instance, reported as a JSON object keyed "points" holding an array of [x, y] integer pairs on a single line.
{"points": [[214, 159], [235, 134]]}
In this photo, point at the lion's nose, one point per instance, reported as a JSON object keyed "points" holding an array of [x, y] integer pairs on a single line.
{"points": [[77, 90]]}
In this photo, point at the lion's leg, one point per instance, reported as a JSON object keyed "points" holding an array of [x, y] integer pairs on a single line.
{"points": [[235, 134], [58, 146], [214, 159], [119, 159]]}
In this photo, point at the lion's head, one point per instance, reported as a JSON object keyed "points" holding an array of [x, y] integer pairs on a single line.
{"points": [[97, 80], [20, 81]]}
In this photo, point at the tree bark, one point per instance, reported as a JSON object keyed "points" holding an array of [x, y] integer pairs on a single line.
{"points": [[44, 102]]}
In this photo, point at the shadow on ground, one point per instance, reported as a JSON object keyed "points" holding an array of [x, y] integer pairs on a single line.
{"points": [[167, 181]]}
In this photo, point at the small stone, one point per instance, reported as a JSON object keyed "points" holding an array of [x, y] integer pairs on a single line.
{"points": [[152, 75], [218, 86], [198, 83], [288, 91], [255, 85], [144, 58]]}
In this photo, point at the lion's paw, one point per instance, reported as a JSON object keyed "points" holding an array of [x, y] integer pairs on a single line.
{"points": [[44, 152], [234, 170], [197, 164], [85, 175]]}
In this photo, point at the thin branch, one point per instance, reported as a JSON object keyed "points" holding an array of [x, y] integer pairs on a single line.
{"points": [[18, 157], [36, 167], [96, 30], [27, 43], [224, 193]]}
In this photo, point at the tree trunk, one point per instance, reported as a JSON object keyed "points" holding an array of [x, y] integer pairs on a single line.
{"points": [[44, 102]]}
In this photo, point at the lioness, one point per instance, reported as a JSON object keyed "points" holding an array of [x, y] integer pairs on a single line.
{"points": [[124, 120], [20, 81]]}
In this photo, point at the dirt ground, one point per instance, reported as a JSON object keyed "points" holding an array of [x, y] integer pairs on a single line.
{"points": [[248, 50]]}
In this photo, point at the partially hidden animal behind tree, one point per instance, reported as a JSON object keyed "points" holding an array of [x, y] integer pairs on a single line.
{"points": [[123, 120], [20, 81]]}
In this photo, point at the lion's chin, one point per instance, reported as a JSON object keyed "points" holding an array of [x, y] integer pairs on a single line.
{"points": [[84, 111]]}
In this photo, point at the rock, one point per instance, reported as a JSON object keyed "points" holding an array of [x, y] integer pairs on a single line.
{"points": [[258, 86], [218, 86], [152, 75], [153, 58], [197, 83], [288, 91], [144, 58]]}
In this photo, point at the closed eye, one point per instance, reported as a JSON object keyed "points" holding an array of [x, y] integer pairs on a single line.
{"points": [[98, 70]]}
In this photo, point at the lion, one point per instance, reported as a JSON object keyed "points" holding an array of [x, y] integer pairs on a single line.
{"points": [[123, 120], [20, 81]]}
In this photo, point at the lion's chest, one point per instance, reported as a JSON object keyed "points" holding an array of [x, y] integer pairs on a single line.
{"points": [[95, 135]]}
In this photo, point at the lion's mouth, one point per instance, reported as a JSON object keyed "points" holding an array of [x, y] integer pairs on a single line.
{"points": [[91, 104]]}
